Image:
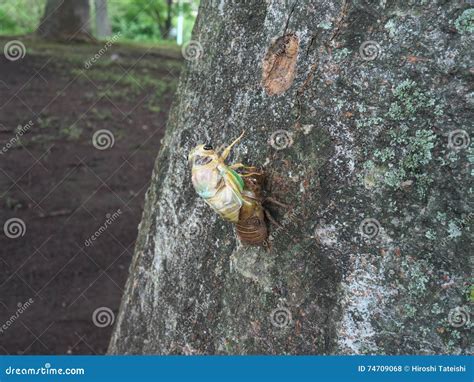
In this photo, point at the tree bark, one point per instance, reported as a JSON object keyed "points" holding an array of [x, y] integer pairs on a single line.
{"points": [[102, 19], [352, 110], [66, 20]]}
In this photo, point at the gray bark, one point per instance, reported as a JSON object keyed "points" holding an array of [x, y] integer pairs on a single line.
{"points": [[66, 20], [365, 145], [102, 19]]}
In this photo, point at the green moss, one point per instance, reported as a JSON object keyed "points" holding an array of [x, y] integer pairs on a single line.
{"points": [[72, 132], [394, 177], [406, 158], [409, 101], [436, 309], [470, 156], [441, 217], [369, 122], [430, 234], [410, 311], [465, 23], [120, 85], [385, 155], [101, 114], [47, 122], [406, 152], [325, 25], [418, 149], [341, 54], [12, 203], [453, 230], [392, 28]]}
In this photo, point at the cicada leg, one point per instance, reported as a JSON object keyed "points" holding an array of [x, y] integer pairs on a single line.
{"points": [[251, 174], [276, 202], [243, 166], [248, 170], [226, 151], [271, 219]]}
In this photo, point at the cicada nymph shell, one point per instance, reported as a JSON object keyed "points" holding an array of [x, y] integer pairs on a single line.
{"points": [[252, 227], [279, 64]]}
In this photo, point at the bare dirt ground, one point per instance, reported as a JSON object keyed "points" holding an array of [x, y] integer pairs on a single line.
{"points": [[58, 293]]}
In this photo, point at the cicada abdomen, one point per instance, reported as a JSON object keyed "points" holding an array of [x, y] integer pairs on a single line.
{"points": [[227, 201], [252, 227]]}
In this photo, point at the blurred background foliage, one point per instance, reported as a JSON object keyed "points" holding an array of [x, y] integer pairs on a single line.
{"points": [[136, 20]]}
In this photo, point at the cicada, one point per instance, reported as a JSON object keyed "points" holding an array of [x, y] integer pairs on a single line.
{"points": [[232, 191]]}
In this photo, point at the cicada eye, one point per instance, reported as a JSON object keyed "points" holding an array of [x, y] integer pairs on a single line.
{"points": [[201, 160], [208, 147]]}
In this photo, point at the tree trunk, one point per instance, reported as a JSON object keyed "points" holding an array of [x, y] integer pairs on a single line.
{"points": [[358, 115], [66, 20], [102, 19], [168, 18]]}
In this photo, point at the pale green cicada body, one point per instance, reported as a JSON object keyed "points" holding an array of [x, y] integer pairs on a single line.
{"points": [[236, 197], [218, 184]]}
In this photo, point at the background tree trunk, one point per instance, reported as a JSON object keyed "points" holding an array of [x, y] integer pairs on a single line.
{"points": [[66, 20], [373, 256], [169, 15], [102, 19]]}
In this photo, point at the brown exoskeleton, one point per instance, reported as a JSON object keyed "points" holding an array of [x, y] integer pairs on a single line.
{"points": [[235, 196]]}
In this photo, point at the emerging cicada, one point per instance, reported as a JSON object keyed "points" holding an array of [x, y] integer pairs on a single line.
{"points": [[235, 196]]}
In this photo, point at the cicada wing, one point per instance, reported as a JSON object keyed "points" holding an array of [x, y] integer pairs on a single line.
{"points": [[227, 203]]}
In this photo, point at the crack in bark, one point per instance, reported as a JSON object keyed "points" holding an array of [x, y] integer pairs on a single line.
{"points": [[289, 16], [335, 33]]}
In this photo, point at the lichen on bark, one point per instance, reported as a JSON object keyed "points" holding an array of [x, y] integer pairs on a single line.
{"points": [[369, 145]]}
